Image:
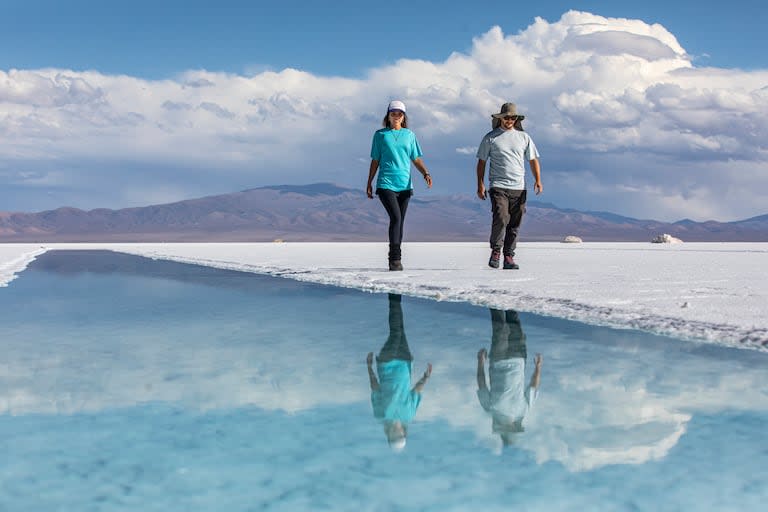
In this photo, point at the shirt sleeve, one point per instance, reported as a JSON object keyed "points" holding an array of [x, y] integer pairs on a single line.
{"points": [[530, 150], [376, 148], [484, 149], [416, 401], [484, 396], [531, 394], [415, 149], [377, 402]]}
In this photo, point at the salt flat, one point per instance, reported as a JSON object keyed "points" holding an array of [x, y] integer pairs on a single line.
{"points": [[711, 292]]}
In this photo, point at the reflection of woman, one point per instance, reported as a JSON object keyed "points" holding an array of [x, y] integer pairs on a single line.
{"points": [[393, 399], [508, 400], [393, 149]]}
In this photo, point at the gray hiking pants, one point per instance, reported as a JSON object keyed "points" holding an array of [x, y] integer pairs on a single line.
{"points": [[507, 207]]}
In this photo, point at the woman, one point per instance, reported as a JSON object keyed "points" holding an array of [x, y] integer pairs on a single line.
{"points": [[393, 149], [393, 398]]}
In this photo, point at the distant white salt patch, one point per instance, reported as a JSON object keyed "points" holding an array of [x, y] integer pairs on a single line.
{"points": [[571, 239]]}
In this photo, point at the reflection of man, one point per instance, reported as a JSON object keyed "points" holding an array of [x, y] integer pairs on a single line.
{"points": [[508, 400], [394, 401]]}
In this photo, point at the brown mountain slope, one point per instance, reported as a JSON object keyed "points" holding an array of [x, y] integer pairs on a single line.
{"points": [[326, 212]]}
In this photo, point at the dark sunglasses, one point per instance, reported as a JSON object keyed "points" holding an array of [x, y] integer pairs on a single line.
{"points": [[510, 118], [395, 113]]}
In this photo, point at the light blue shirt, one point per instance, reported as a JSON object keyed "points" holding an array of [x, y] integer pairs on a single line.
{"points": [[507, 151], [509, 399], [395, 150], [395, 400]]}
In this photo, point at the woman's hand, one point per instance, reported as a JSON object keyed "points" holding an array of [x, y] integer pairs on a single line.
{"points": [[371, 174], [419, 163], [419, 387]]}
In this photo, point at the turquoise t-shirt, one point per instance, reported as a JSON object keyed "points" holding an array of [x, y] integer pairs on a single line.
{"points": [[394, 400], [395, 150]]}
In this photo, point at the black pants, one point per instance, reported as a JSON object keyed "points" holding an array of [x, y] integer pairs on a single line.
{"points": [[508, 207], [396, 203], [396, 346]]}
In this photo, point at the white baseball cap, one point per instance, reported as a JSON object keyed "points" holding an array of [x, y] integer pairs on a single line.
{"points": [[396, 105], [398, 445]]}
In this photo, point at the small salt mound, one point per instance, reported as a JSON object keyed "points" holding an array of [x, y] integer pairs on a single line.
{"points": [[665, 239]]}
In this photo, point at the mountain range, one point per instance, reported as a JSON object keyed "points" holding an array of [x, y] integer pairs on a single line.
{"points": [[328, 212]]}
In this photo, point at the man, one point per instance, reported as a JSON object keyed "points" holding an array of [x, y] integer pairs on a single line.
{"points": [[508, 399], [507, 147]]}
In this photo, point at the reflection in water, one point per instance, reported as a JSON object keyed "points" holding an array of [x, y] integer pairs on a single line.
{"points": [[143, 388], [508, 400], [103, 262], [393, 399]]}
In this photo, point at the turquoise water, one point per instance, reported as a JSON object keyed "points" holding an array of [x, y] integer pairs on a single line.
{"points": [[132, 384]]}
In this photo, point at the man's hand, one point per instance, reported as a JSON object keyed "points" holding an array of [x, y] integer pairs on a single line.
{"points": [[536, 377], [538, 188], [428, 371], [369, 191], [482, 355], [481, 193], [369, 359]]}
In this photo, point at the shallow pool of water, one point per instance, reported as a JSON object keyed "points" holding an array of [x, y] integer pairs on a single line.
{"points": [[133, 384]]}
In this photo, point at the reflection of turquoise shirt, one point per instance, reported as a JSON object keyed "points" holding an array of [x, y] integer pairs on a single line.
{"points": [[395, 150], [394, 399]]}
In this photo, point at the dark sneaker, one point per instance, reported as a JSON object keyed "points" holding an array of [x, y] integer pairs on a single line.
{"points": [[509, 263], [495, 258], [395, 265]]}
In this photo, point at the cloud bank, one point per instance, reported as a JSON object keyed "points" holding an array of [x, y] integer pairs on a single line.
{"points": [[623, 119]]}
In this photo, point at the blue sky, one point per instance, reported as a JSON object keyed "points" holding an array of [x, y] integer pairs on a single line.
{"points": [[650, 110], [158, 38]]}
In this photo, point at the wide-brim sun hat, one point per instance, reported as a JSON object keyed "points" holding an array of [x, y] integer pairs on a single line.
{"points": [[508, 109], [396, 105]]}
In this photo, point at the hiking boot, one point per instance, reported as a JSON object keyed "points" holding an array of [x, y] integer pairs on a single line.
{"points": [[395, 265], [493, 262], [509, 263]]}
